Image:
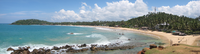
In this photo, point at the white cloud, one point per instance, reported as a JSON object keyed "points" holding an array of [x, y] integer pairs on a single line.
{"points": [[122, 10], [191, 9], [25, 12], [22, 12], [2, 14]]}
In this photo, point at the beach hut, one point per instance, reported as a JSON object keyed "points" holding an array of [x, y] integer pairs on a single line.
{"points": [[116, 25], [182, 34], [144, 28], [175, 32], [136, 26]]}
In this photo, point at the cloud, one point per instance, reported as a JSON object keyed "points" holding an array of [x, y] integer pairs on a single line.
{"points": [[122, 10], [191, 9], [2, 14], [25, 12], [20, 13]]}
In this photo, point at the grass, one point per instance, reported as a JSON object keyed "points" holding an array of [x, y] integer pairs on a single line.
{"points": [[181, 49]]}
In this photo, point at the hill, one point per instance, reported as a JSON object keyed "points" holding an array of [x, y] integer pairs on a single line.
{"points": [[164, 21], [30, 22]]}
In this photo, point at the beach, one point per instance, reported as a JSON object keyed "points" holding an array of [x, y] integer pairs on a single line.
{"points": [[61, 35], [165, 37]]}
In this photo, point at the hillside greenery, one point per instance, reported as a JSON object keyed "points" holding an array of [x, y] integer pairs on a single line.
{"points": [[154, 21], [30, 22]]}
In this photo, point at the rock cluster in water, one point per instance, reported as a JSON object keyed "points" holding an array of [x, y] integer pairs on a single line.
{"points": [[69, 49]]}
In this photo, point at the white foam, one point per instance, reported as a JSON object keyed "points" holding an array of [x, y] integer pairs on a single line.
{"points": [[104, 29], [32, 47], [75, 33], [102, 41]]}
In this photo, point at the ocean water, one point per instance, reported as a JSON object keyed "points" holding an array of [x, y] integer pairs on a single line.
{"points": [[39, 36]]}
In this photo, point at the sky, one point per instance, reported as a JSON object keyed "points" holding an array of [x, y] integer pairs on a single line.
{"points": [[92, 10]]}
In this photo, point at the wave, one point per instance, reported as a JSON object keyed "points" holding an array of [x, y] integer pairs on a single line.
{"points": [[104, 29], [104, 41], [75, 33]]}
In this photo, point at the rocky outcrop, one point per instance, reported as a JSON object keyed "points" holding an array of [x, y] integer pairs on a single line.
{"points": [[160, 47], [10, 49], [152, 46], [69, 49]]}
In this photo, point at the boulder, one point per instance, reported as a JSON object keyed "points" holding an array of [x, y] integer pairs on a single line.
{"points": [[152, 46], [93, 48], [175, 44], [83, 45], [10, 49], [160, 47], [55, 48], [35, 51], [84, 49], [67, 46], [26, 52]]}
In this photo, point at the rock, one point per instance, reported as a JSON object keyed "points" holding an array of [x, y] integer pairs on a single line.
{"points": [[160, 47], [152, 46], [93, 45], [10, 49], [84, 49], [93, 48], [48, 52], [84, 45], [175, 44], [26, 52], [143, 51], [140, 52], [17, 51], [70, 49], [55, 48], [35, 51]]}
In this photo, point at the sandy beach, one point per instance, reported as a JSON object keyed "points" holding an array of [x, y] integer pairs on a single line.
{"points": [[166, 37]]}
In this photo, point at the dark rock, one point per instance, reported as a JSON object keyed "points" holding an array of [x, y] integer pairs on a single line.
{"points": [[83, 45], [152, 46], [35, 51], [160, 47], [70, 49], [10, 49], [55, 48], [26, 52], [93, 45], [175, 44], [93, 48], [67, 46]]}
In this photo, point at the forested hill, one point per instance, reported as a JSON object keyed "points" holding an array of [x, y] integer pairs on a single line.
{"points": [[167, 21], [30, 22]]}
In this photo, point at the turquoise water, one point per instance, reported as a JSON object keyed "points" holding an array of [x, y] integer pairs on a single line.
{"points": [[39, 36]]}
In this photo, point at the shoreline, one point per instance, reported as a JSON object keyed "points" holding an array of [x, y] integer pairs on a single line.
{"points": [[165, 37]]}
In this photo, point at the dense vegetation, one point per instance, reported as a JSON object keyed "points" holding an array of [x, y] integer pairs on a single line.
{"points": [[30, 22], [167, 22], [154, 21]]}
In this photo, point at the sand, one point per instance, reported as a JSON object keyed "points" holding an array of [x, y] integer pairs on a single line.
{"points": [[166, 37]]}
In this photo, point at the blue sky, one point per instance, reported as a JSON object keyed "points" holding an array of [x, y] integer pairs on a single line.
{"points": [[90, 10]]}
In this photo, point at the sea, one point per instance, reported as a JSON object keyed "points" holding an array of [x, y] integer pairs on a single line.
{"points": [[47, 36]]}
